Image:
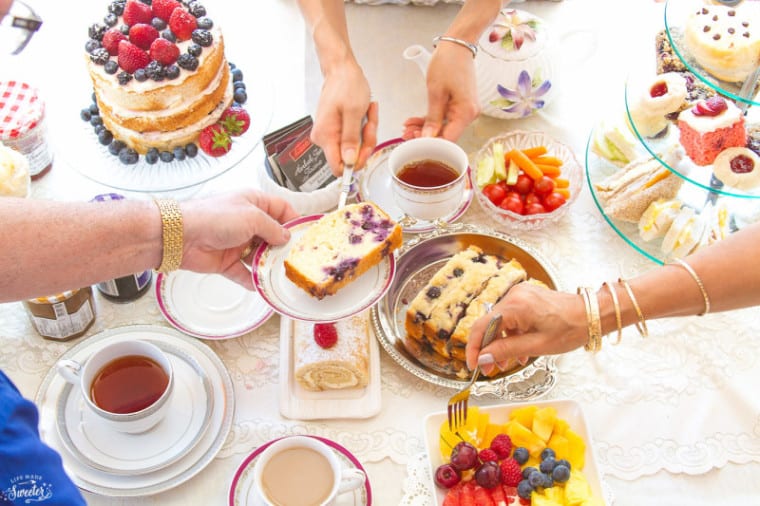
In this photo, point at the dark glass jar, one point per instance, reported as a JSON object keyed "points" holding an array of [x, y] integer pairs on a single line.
{"points": [[126, 288]]}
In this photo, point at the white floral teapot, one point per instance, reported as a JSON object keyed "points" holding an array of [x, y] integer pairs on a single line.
{"points": [[516, 65]]}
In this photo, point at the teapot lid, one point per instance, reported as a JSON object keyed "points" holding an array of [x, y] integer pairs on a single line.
{"points": [[514, 35]]}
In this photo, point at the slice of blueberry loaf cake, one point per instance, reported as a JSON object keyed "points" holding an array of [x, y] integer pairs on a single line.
{"points": [[340, 247]]}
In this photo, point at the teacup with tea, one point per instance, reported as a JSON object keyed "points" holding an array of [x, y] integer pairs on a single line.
{"points": [[301, 470], [127, 384], [429, 177]]}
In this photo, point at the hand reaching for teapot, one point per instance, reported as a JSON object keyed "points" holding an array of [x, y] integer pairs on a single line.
{"points": [[536, 321], [452, 95], [338, 129]]}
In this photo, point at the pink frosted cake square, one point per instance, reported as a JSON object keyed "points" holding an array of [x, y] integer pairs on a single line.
{"points": [[710, 127]]}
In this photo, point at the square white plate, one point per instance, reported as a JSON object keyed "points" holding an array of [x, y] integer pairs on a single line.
{"points": [[301, 404], [569, 410]]}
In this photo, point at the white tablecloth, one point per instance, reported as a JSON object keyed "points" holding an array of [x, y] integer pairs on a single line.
{"points": [[676, 414]]}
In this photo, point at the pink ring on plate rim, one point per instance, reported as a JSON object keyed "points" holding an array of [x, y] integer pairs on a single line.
{"points": [[332, 444], [182, 328], [284, 311]]}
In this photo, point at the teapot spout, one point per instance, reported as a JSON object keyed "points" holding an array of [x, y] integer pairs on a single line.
{"points": [[419, 55]]}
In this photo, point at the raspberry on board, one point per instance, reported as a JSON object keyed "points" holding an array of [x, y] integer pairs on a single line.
{"points": [[325, 334]]}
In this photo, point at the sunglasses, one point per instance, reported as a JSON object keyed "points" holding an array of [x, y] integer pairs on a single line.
{"points": [[18, 26]]}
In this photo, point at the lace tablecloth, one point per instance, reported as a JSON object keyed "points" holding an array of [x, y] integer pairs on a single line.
{"points": [[683, 402]]}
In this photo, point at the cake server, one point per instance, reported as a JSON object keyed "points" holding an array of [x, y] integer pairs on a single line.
{"points": [[345, 185]]}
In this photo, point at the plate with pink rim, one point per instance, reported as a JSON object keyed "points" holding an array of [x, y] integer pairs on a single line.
{"points": [[243, 493], [287, 299], [209, 306], [375, 185]]}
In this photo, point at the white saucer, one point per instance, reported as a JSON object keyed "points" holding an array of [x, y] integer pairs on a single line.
{"points": [[209, 306], [196, 459], [301, 404], [375, 185], [292, 301], [87, 438], [242, 492]]}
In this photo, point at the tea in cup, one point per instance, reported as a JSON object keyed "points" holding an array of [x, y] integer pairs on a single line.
{"points": [[126, 384], [429, 177], [301, 470]]}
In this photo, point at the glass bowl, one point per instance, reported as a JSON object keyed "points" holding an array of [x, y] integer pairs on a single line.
{"points": [[571, 170]]}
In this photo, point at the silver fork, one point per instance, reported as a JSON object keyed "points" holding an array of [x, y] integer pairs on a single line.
{"points": [[457, 408]]}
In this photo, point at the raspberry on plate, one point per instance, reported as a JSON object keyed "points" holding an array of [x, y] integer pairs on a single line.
{"points": [[502, 445], [325, 334], [511, 474]]}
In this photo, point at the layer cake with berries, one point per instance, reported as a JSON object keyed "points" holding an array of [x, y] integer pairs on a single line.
{"points": [[159, 72]]}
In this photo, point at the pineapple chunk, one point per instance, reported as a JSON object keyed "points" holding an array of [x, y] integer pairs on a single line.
{"points": [[543, 422], [560, 445], [521, 436], [577, 489]]}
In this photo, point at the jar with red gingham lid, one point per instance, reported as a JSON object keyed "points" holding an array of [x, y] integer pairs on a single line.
{"points": [[22, 125]]}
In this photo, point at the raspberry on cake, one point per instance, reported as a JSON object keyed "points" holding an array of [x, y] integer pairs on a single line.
{"points": [[709, 127], [340, 247], [159, 72]]}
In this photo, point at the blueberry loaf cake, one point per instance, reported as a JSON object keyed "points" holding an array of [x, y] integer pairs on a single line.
{"points": [[341, 246], [460, 269], [508, 276], [333, 356]]}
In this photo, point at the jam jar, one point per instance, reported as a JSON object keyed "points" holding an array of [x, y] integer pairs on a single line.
{"points": [[64, 316], [23, 126], [126, 288]]}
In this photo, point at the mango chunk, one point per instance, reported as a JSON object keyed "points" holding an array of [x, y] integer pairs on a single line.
{"points": [[560, 445], [543, 422], [472, 432], [524, 415], [522, 436], [576, 449]]}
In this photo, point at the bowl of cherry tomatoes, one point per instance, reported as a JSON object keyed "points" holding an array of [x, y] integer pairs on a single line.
{"points": [[526, 180]]}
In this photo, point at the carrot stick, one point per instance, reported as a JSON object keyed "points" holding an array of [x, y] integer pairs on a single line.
{"points": [[549, 170], [563, 191], [560, 182], [534, 152], [526, 164], [548, 160]]}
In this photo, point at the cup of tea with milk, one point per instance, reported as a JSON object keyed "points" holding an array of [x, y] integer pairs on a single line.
{"points": [[299, 470], [127, 384], [429, 177]]}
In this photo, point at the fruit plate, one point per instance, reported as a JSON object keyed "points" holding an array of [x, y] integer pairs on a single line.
{"points": [[568, 410], [417, 261], [571, 171]]}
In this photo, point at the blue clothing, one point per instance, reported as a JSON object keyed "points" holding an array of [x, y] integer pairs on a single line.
{"points": [[31, 473]]}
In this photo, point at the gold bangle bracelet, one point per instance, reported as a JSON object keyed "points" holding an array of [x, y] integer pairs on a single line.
{"points": [[641, 324], [469, 45], [618, 317], [594, 343], [172, 234], [693, 274]]}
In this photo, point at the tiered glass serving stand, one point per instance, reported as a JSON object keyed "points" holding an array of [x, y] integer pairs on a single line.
{"points": [[700, 190]]}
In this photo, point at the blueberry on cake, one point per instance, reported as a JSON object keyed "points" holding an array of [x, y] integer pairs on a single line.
{"points": [[340, 247]]}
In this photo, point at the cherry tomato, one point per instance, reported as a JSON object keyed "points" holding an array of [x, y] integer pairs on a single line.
{"points": [[535, 208], [524, 184], [532, 198], [544, 186], [553, 201], [494, 193], [503, 184], [513, 204], [513, 195]]}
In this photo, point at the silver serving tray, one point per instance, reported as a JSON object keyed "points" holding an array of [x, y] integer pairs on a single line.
{"points": [[417, 261]]}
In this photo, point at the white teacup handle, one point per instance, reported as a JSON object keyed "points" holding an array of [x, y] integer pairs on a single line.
{"points": [[70, 370], [351, 479]]}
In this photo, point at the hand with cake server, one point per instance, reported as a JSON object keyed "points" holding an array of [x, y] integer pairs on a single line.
{"points": [[538, 321]]}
